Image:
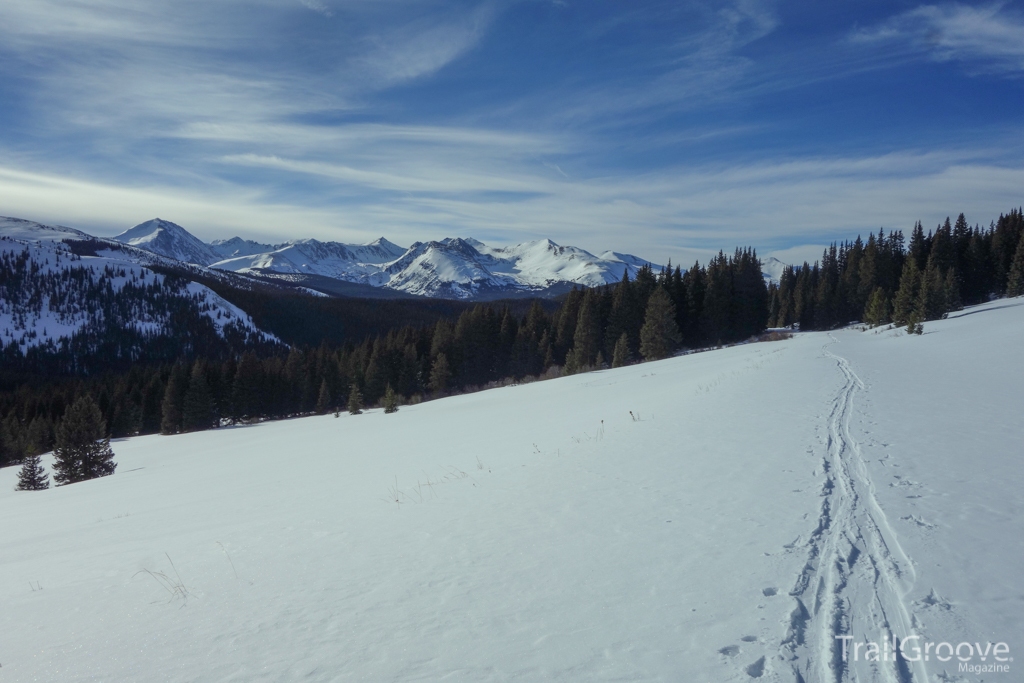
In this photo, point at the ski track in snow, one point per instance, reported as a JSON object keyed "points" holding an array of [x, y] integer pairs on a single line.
{"points": [[857, 575]]}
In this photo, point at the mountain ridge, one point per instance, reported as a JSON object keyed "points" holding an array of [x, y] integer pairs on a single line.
{"points": [[451, 268]]}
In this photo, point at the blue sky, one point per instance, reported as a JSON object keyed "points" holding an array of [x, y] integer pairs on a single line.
{"points": [[664, 129]]}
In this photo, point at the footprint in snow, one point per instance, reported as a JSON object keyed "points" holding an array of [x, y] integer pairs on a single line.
{"points": [[770, 592], [730, 650], [756, 670], [934, 601], [918, 521], [749, 639]]}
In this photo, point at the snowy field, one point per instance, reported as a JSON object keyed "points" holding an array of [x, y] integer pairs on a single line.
{"points": [[714, 517]]}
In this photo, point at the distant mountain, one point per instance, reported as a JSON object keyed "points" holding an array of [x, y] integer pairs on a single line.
{"points": [[772, 268], [170, 240], [236, 246], [68, 300], [452, 268]]}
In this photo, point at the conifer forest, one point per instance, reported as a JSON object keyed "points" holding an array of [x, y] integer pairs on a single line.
{"points": [[411, 351]]}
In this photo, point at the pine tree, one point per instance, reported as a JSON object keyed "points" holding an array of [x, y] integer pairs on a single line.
{"points": [[620, 356], [954, 301], [660, 334], [32, 475], [914, 325], [245, 392], [81, 451], [174, 399], [877, 311], [907, 295], [1015, 281], [390, 400], [587, 337], [355, 401], [931, 300], [440, 372], [572, 363], [197, 410], [323, 401]]}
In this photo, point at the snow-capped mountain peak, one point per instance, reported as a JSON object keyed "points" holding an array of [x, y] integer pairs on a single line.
{"points": [[771, 269], [236, 246], [170, 240], [454, 267]]}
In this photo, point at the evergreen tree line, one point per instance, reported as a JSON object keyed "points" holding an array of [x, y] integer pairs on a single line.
{"points": [[884, 280], [878, 280], [648, 317]]}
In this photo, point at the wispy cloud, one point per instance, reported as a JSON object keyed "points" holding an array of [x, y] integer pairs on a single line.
{"points": [[678, 213], [423, 47], [988, 37], [702, 64], [638, 127]]}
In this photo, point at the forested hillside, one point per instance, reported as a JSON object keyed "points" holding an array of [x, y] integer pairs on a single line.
{"points": [[445, 347], [883, 279]]}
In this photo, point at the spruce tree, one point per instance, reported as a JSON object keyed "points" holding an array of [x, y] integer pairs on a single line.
{"points": [[931, 300], [174, 399], [390, 400], [954, 301], [81, 451], [355, 401], [914, 325], [587, 337], [197, 410], [907, 295], [440, 372], [877, 311], [660, 334], [245, 392], [1015, 280], [572, 363], [323, 401], [620, 356], [32, 475]]}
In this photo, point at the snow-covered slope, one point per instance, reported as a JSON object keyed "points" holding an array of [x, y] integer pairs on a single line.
{"points": [[20, 229], [671, 521], [236, 246], [53, 295], [350, 262]]}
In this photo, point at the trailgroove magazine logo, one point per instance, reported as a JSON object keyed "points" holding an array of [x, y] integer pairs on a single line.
{"points": [[971, 657]]}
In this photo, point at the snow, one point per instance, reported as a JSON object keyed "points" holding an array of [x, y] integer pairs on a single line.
{"points": [[169, 239], [236, 246], [655, 522], [463, 268], [452, 267], [33, 323], [772, 269], [222, 313], [20, 229]]}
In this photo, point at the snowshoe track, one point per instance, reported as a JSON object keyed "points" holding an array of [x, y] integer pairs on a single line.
{"points": [[856, 574]]}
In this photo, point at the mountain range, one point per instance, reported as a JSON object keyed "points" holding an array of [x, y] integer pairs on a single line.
{"points": [[452, 268]]}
